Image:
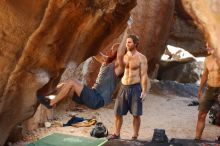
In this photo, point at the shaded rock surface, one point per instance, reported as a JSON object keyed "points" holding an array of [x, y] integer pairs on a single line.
{"points": [[188, 90], [185, 34], [185, 71], [39, 38]]}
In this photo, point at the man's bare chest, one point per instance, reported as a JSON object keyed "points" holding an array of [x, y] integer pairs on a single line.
{"points": [[213, 65], [132, 62]]}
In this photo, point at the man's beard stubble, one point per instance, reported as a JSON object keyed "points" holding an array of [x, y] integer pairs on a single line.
{"points": [[131, 48]]}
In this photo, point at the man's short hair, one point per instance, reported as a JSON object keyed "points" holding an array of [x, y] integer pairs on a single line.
{"points": [[135, 39]]}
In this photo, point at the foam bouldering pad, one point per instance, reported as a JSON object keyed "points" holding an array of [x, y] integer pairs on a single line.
{"points": [[58, 139]]}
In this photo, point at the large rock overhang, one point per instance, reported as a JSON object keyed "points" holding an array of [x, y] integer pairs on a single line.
{"points": [[206, 14], [39, 38]]}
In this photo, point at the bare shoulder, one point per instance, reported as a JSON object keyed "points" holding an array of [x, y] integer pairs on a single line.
{"points": [[208, 59], [142, 57]]}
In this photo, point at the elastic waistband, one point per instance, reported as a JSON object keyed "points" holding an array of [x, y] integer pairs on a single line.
{"points": [[214, 88], [131, 86]]}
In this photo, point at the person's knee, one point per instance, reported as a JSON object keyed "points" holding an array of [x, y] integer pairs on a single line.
{"points": [[136, 117], [202, 116], [117, 116], [70, 84]]}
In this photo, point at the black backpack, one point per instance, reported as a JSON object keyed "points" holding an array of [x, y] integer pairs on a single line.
{"points": [[159, 136], [99, 130], [213, 114]]}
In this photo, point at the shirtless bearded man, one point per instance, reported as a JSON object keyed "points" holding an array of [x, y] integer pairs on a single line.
{"points": [[134, 87]]}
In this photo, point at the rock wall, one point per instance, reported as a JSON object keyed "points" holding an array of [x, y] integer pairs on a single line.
{"points": [[206, 14], [39, 38], [152, 23], [182, 71], [185, 34]]}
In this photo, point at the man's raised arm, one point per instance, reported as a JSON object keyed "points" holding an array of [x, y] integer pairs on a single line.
{"points": [[121, 50]]}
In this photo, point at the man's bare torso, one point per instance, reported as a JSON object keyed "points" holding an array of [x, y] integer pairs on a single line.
{"points": [[132, 68], [213, 66]]}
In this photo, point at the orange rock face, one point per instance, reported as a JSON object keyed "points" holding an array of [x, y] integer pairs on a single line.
{"points": [[39, 38], [185, 34], [152, 20], [206, 14], [152, 23]]}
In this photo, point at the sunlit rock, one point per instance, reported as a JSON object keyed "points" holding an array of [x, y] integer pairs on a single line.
{"points": [[206, 14], [40, 38]]}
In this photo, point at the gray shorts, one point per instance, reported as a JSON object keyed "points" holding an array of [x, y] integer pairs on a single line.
{"points": [[207, 101], [128, 99]]}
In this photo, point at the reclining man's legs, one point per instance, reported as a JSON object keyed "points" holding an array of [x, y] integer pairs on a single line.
{"points": [[67, 88]]}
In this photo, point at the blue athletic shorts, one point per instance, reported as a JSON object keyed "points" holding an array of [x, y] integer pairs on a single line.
{"points": [[90, 97], [128, 99]]}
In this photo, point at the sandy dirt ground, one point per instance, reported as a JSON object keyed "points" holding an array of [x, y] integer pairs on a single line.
{"points": [[165, 112]]}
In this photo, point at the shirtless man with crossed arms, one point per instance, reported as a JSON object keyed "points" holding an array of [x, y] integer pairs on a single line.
{"points": [[134, 87]]}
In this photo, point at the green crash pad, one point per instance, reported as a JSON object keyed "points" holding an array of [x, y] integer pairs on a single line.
{"points": [[58, 139]]}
